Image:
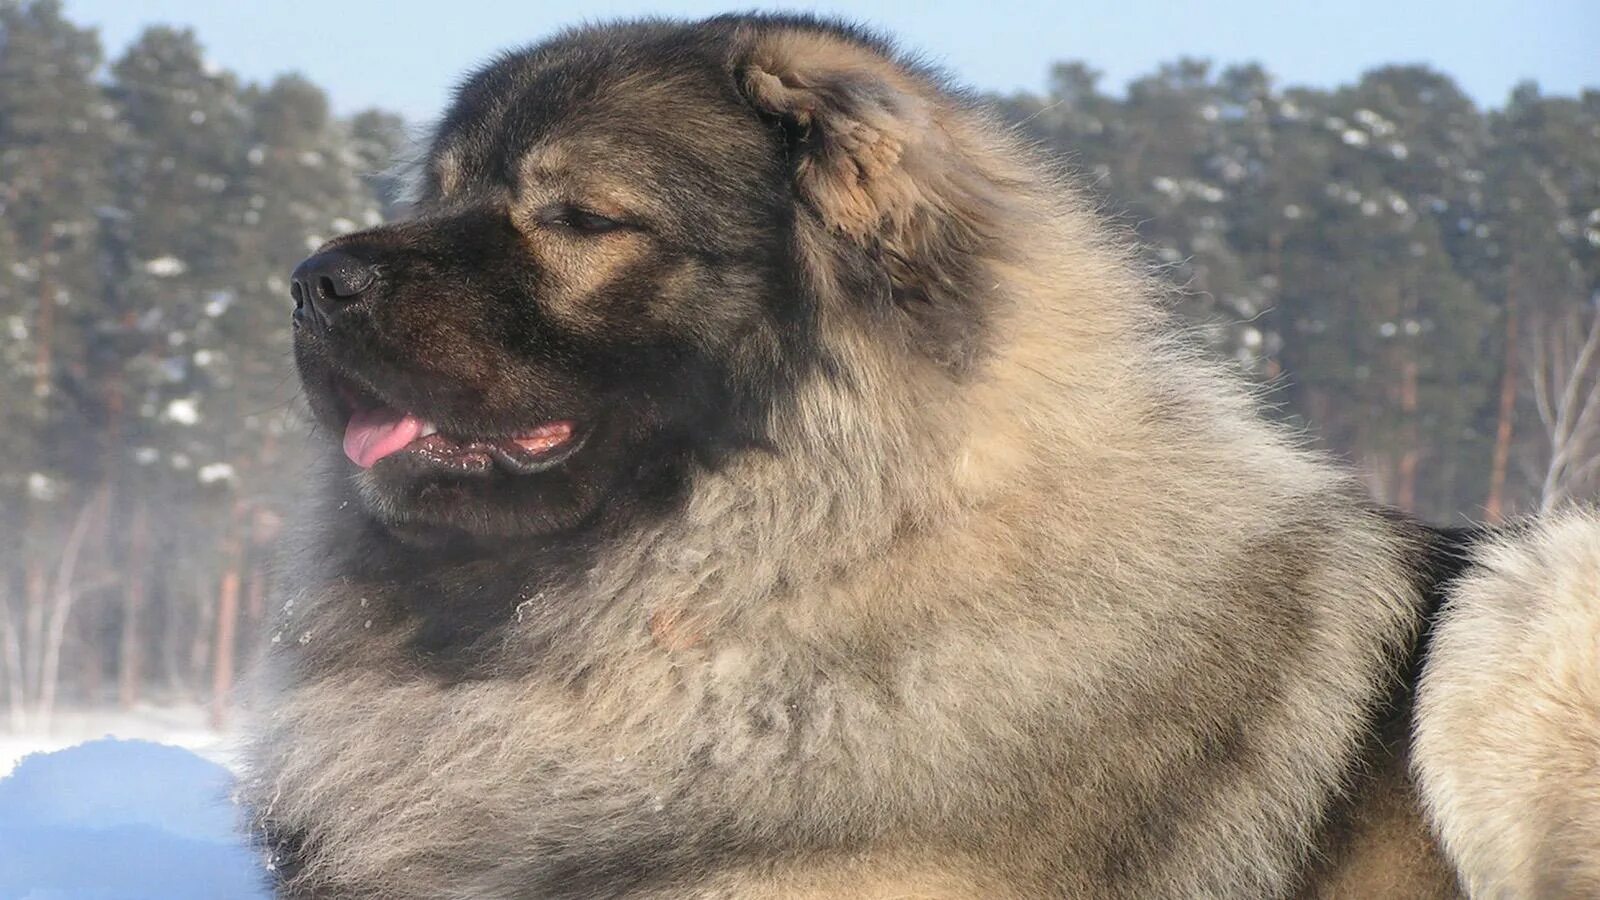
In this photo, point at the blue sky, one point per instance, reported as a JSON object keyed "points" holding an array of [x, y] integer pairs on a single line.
{"points": [[405, 54]]}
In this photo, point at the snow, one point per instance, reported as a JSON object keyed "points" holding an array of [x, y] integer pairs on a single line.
{"points": [[166, 266], [180, 725], [41, 486], [184, 410], [213, 472], [1378, 124], [123, 820], [217, 302]]}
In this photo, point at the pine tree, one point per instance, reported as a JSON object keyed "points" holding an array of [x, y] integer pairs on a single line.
{"points": [[1544, 222], [1529, 268], [1386, 358], [164, 362], [147, 222], [56, 137]]}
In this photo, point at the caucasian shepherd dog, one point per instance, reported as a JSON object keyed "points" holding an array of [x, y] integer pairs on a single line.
{"points": [[757, 475]]}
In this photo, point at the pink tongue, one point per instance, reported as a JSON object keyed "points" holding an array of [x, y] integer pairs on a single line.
{"points": [[375, 433]]}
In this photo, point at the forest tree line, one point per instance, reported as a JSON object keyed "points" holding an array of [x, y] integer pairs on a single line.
{"points": [[1411, 278]]}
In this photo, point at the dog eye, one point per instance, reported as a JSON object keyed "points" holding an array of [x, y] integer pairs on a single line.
{"points": [[578, 219]]}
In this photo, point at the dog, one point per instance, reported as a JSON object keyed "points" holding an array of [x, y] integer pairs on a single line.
{"points": [[757, 473]]}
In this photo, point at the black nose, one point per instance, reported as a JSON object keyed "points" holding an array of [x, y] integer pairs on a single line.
{"points": [[326, 282]]}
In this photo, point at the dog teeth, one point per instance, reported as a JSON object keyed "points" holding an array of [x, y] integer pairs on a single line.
{"points": [[427, 429]]}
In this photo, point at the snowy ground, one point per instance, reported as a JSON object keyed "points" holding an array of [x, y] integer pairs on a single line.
{"points": [[181, 726], [123, 819]]}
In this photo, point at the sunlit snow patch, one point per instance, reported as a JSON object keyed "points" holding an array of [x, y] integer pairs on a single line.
{"points": [[123, 820]]}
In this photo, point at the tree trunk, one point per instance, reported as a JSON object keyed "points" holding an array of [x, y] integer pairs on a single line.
{"points": [[36, 598], [227, 619], [222, 667], [256, 604], [64, 595], [204, 592], [11, 656], [1406, 488], [1494, 505], [130, 659], [44, 329], [1273, 370]]}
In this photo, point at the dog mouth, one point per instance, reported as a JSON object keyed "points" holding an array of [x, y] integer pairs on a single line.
{"points": [[376, 433]]}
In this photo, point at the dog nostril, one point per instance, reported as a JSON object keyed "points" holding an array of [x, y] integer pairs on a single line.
{"points": [[323, 285]]}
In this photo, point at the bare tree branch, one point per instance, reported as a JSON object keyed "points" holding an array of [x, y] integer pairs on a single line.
{"points": [[1565, 370]]}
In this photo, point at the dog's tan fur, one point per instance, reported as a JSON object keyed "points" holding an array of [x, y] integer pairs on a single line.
{"points": [[1508, 723], [1053, 614]]}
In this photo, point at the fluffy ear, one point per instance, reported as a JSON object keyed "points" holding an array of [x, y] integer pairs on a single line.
{"points": [[884, 157], [850, 124], [873, 146]]}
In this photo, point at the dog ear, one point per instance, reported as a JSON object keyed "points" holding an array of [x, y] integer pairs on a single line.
{"points": [[885, 158], [867, 143]]}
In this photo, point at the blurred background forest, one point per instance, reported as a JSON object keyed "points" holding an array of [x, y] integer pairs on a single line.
{"points": [[1414, 279]]}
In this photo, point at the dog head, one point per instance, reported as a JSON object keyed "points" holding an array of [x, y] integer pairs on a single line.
{"points": [[629, 246]]}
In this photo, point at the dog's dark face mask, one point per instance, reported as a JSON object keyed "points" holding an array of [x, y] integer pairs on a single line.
{"points": [[593, 297]]}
